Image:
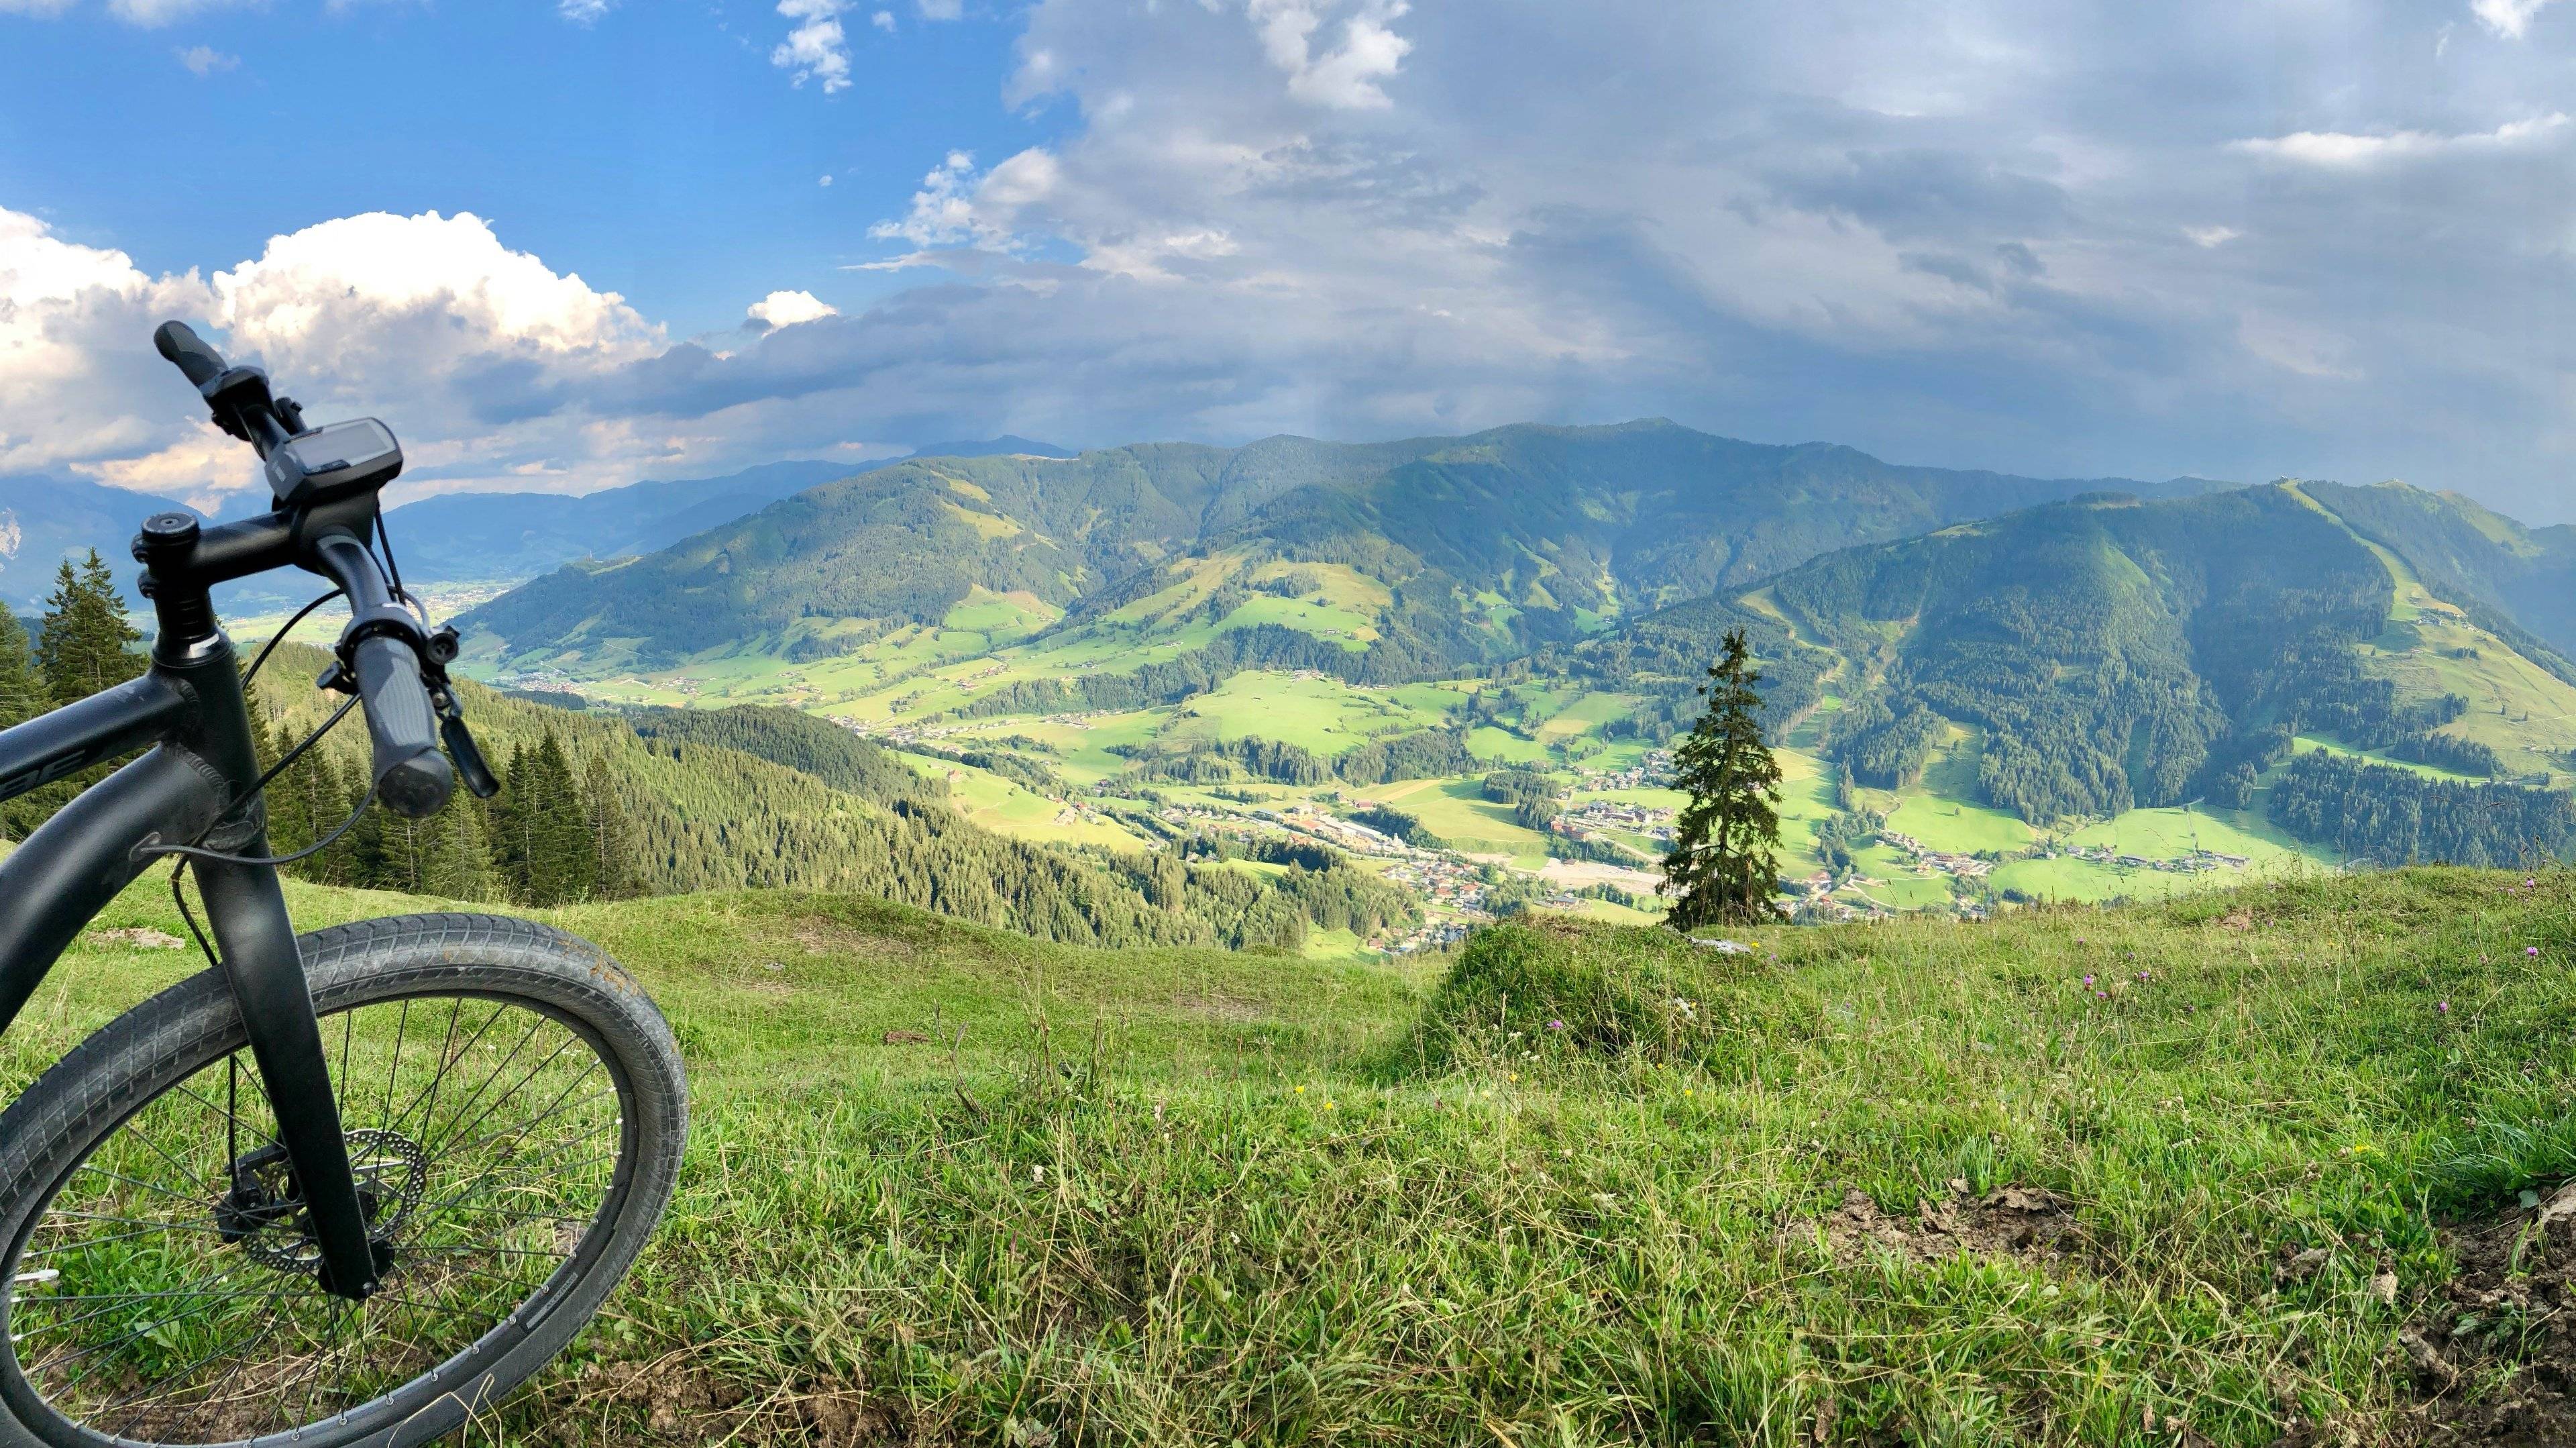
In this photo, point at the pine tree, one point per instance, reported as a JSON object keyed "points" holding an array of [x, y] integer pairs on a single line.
{"points": [[86, 644], [446, 855], [1722, 867], [23, 695], [616, 870], [543, 842]]}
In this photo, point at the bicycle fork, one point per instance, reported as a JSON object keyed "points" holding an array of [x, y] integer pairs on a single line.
{"points": [[256, 943]]}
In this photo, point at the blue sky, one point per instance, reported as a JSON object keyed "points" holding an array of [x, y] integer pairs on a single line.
{"points": [[655, 150], [568, 243]]}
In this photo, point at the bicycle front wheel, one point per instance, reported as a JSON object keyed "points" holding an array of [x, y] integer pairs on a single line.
{"points": [[515, 1112]]}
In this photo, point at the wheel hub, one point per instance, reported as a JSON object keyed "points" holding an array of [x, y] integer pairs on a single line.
{"points": [[263, 1212]]}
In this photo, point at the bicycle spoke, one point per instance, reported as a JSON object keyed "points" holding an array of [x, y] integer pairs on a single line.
{"points": [[201, 1317]]}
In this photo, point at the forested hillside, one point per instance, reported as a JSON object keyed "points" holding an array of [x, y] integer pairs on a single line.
{"points": [[1482, 545], [2112, 654], [597, 807]]}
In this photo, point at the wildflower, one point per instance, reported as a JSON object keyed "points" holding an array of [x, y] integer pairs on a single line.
{"points": [[2142, 975], [1037, 1173], [1556, 1025], [2531, 950], [1516, 1075], [2102, 995], [2444, 1008], [1686, 1091], [1297, 1090], [1328, 1106], [2088, 982]]}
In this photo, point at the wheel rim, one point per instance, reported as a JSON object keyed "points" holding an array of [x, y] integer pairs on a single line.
{"points": [[165, 1291]]}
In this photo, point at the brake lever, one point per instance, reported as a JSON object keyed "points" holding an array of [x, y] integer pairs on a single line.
{"points": [[461, 748]]}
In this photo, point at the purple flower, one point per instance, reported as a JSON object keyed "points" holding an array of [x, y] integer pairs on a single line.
{"points": [[2101, 995], [2088, 980], [2531, 950], [2142, 975], [2444, 1008], [1556, 1025]]}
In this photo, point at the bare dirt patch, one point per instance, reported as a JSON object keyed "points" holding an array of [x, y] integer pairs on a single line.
{"points": [[2493, 1357], [2011, 1221]]}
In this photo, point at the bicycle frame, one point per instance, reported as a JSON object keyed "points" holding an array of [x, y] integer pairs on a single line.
{"points": [[194, 783]]}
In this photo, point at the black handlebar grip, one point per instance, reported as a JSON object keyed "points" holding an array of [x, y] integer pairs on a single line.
{"points": [[180, 343], [411, 776]]}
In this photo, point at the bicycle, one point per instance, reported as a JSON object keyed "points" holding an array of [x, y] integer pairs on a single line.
{"points": [[344, 1188]]}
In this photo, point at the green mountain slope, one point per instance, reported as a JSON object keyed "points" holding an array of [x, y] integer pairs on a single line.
{"points": [[2503, 574], [2079, 660], [770, 798], [1481, 545]]}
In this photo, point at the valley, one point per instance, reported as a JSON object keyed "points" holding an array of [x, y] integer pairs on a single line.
{"points": [[1456, 664]]}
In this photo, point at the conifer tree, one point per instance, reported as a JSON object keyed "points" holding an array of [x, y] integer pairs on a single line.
{"points": [[617, 871], [543, 843], [23, 695], [86, 644], [1722, 867], [447, 854]]}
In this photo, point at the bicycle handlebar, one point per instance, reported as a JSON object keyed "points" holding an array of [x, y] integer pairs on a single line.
{"points": [[180, 343], [412, 777]]}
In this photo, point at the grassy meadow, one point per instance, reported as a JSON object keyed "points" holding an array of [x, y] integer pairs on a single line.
{"points": [[2045, 1180]]}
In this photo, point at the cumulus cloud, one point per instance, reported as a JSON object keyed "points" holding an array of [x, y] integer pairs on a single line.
{"points": [[2345, 150], [883, 20], [2508, 18], [206, 60], [479, 354], [1347, 75], [958, 206], [584, 12], [816, 49], [786, 309]]}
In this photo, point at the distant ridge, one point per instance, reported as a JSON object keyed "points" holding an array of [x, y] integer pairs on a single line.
{"points": [[1484, 546]]}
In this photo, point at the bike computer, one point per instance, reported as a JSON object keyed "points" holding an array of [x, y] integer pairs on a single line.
{"points": [[330, 463]]}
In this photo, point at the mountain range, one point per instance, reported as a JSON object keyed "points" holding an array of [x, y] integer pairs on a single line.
{"points": [[1483, 545]]}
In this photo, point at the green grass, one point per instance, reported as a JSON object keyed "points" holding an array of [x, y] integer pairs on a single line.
{"points": [[1193, 1197]]}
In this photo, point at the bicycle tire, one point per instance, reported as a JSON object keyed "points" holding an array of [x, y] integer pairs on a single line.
{"points": [[234, 1212]]}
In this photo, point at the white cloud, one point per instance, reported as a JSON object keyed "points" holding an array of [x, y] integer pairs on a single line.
{"points": [[480, 356], [2343, 150], [786, 309], [75, 344], [206, 60], [825, 180], [198, 469], [41, 9], [584, 12], [2207, 237], [957, 207], [2508, 18], [942, 9], [883, 20], [816, 49], [1346, 77]]}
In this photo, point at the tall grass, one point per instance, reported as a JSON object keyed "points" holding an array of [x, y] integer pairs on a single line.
{"points": [[1567, 1188]]}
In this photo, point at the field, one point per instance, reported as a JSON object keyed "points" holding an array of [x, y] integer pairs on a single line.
{"points": [[1907, 1182]]}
